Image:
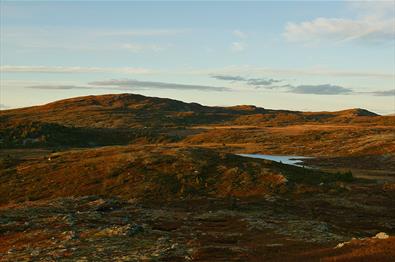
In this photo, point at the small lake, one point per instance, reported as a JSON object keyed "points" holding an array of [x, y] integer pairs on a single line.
{"points": [[290, 160]]}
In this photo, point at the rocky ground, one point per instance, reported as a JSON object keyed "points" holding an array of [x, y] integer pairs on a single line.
{"points": [[273, 228], [151, 172], [133, 178], [177, 203]]}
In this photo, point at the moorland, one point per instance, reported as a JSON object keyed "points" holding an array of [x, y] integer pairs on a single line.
{"points": [[132, 178]]}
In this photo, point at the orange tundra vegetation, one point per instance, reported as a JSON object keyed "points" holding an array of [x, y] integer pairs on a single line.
{"points": [[134, 178]]}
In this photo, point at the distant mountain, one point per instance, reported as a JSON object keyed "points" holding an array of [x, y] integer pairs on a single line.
{"points": [[130, 110], [357, 112], [130, 118], [121, 111]]}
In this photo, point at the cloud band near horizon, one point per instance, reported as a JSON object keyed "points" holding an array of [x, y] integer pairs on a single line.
{"points": [[130, 84]]}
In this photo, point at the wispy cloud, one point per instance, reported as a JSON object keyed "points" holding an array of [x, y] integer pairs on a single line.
{"points": [[375, 24], [231, 70], [228, 78], [237, 47], [267, 83], [74, 69], [384, 93], [47, 31], [340, 30], [141, 32], [256, 82], [259, 82], [136, 84], [137, 48], [79, 38], [325, 89], [372, 8], [2, 106], [129, 84], [239, 34], [319, 89], [314, 71], [59, 87]]}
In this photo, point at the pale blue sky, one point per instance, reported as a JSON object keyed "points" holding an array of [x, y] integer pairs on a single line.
{"points": [[325, 55]]}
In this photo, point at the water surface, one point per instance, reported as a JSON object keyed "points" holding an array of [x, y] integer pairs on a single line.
{"points": [[290, 160]]}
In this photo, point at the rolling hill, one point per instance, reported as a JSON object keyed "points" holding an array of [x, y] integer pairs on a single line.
{"points": [[136, 178], [130, 111], [128, 118]]}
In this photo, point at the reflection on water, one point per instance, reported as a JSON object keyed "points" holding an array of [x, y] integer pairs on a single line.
{"points": [[290, 160]]}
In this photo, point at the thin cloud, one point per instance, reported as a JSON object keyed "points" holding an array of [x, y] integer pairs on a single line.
{"points": [[375, 24], [58, 87], [79, 39], [340, 30], [247, 69], [74, 69], [322, 89], [325, 89], [270, 83], [146, 32], [229, 78], [237, 47], [384, 93], [373, 8], [259, 82], [3, 106], [215, 71], [137, 48], [256, 82], [239, 34], [129, 84], [136, 84]]}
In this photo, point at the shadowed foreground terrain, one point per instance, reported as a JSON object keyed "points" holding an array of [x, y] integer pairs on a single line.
{"points": [[132, 178]]}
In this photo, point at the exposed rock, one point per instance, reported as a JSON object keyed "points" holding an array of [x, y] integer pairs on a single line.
{"points": [[381, 235], [126, 230]]}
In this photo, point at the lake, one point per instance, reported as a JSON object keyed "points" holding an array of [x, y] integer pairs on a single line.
{"points": [[290, 160]]}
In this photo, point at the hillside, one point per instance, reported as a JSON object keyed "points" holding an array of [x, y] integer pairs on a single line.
{"points": [[150, 172], [128, 119], [134, 178], [129, 111], [117, 111], [167, 203]]}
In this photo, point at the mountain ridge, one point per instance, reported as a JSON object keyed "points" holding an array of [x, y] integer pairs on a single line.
{"points": [[117, 99], [128, 118]]}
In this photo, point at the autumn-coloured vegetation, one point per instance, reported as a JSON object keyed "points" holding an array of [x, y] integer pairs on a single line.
{"points": [[130, 119], [133, 178], [152, 172], [129, 110]]}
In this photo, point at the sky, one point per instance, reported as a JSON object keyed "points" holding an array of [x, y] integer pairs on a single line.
{"points": [[296, 55]]}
